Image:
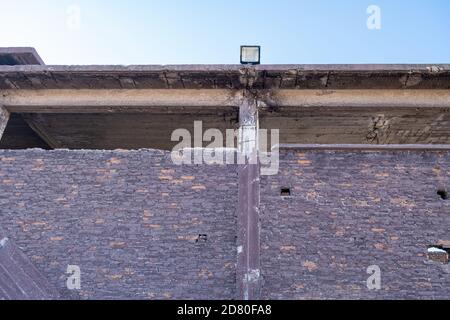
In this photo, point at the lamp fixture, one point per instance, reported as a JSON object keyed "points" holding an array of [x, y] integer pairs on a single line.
{"points": [[250, 55]]}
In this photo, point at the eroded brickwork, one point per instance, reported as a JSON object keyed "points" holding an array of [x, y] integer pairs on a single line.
{"points": [[138, 226], [142, 228], [348, 211]]}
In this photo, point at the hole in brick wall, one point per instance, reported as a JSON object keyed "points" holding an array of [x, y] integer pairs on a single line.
{"points": [[202, 238], [285, 192], [438, 253], [443, 193]]}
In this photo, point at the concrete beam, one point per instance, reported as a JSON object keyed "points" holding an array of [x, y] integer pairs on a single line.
{"points": [[152, 100], [248, 270], [106, 101], [360, 98], [4, 117]]}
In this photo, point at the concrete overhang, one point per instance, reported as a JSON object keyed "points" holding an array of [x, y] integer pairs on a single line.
{"points": [[269, 77], [19, 56], [132, 107]]}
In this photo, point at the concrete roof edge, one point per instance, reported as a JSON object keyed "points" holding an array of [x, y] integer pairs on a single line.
{"points": [[16, 51], [372, 68]]}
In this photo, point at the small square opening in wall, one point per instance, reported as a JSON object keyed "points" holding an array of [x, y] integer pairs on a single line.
{"points": [[438, 254], [443, 193], [285, 192], [202, 238]]}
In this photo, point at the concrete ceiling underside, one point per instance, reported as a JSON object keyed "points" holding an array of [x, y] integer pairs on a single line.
{"points": [[19, 135], [124, 130], [296, 125], [359, 125]]}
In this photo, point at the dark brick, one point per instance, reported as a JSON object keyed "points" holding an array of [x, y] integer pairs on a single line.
{"points": [[129, 219], [348, 211], [142, 228]]}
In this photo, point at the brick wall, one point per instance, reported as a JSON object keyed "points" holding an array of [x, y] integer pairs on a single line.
{"points": [[130, 219], [351, 210]]}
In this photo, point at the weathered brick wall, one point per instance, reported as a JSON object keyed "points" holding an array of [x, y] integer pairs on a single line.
{"points": [[351, 210], [130, 219]]}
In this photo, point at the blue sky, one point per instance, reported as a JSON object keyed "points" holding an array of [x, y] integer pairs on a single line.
{"points": [[211, 31]]}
